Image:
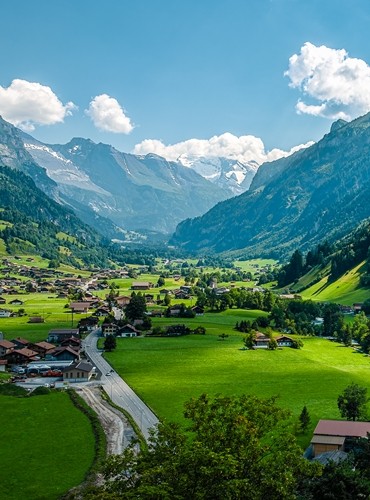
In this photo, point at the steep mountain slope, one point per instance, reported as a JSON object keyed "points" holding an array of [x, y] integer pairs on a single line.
{"points": [[36, 224], [318, 193], [135, 192]]}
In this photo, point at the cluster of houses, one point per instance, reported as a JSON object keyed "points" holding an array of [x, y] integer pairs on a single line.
{"points": [[59, 354]]}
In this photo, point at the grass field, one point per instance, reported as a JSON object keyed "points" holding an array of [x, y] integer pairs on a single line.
{"points": [[166, 372], [47, 446], [345, 290]]}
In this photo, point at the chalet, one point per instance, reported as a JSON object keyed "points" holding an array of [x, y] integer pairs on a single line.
{"points": [[261, 341], [175, 310], [80, 371], [5, 313], [102, 311], [20, 343], [141, 285], [35, 319], [199, 311], [58, 335], [2, 300], [79, 307], [164, 291], [66, 353], [20, 356], [181, 294], [123, 301], [109, 329], [149, 298], [6, 346], [156, 313], [336, 435], [127, 331], [71, 342], [284, 341], [16, 302], [89, 323], [42, 348], [185, 288]]}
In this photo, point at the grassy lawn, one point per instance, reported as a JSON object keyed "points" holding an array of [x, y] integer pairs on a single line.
{"points": [[166, 372], [47, 446], [37, 304], [346, 290]]}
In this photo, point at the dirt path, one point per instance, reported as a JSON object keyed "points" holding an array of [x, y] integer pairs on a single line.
{"points": [[117, 429]]}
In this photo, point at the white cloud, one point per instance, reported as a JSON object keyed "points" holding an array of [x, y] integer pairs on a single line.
{"points": [[245, 148], [26, 104], [339, 84], [107, 114]]}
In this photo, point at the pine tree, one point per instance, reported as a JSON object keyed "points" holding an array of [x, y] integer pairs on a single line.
{"points": [[304, 419]]}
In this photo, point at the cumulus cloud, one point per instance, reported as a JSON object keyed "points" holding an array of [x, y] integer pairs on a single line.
{"points": [[26, 104], [339, 85], [107, 114], [245, 148]]}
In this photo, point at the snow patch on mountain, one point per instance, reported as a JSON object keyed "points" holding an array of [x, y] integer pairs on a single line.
{"points": [[225, 172]]}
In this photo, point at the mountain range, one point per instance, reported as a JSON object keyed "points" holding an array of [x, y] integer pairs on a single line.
{"points": [[124, 196], [317, 193]]}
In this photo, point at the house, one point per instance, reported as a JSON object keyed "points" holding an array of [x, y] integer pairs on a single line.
{"points": [[80, 371], [3, 363], [89, 323], [5, 313], [58, 335], [42, 348], [71, 342], [102, 311], [2, 300], [35, 319], [284, 341], [16, 302], [109, 329], [65, 353], [181, 294], [20, 356], [141, 285], [123, 301], [261, 341], [199, 311], [20, 343], [6, 346], [79, 307], [127, 331], [336, 435]]}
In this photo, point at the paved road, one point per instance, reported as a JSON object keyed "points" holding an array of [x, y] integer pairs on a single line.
{"points": [[117, 389]]}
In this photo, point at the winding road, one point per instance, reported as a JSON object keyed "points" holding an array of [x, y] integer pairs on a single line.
{"points": [[120, 393]]}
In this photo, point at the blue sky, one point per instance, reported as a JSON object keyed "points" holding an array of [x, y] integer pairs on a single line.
{"points": [[175, 71]]}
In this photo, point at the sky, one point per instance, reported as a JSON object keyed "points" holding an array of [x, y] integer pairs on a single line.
{"points": [[243, 79]]}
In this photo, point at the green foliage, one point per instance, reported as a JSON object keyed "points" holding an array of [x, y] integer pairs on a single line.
{"points": [[110, 343], [304, 419], [9, 389], [40, 391], [352, 402], [234, 441], [137, 307]]}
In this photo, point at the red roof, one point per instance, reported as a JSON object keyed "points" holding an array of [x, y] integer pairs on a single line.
{"points": [[6, 344], [342, 428]]}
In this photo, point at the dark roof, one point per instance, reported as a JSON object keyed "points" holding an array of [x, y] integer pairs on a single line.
{"points": [[342, 428], [79, 365], [61, 331]]}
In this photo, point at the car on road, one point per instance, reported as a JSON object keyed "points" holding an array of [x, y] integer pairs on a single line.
{"points": [[108, 374]]}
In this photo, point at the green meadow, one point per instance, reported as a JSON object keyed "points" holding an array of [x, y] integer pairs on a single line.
{"points": [[47, 446], [345, 290], [166, 372]]}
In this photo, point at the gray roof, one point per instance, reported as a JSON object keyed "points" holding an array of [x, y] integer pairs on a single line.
{"points": [[80, 365]]}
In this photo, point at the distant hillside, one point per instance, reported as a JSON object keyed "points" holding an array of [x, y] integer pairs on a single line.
{"points": [[31, 222], [339, 272], [318, 193]]}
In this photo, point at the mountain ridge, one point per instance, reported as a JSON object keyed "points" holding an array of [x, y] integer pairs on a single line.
{"points": [[316, 193]]}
